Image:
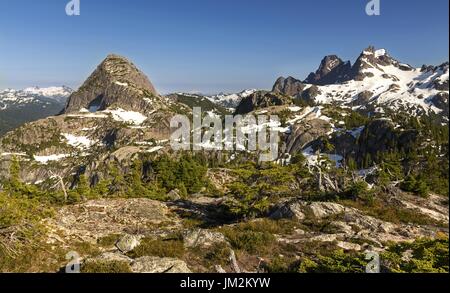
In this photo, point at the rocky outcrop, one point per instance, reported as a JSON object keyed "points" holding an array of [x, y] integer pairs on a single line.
{"points": [[99, 218], [381, 136], [362, 99], [151, 264], [441, 102], [145, 264], [202, 238], [331, 70], [116, 81], [342, 224], [127, 243], [288, 86], [309, 94], [261, 99], [304, 133]]}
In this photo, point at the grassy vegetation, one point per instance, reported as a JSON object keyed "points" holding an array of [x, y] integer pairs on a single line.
{"points": [[256, 237], [390, 213], [168, 247], [421, 256]]}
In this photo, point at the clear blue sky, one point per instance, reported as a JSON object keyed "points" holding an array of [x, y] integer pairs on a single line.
{"points": [[209, 45]]}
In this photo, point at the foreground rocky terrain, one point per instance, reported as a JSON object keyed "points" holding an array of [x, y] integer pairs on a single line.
{"points": [[362, 167]]}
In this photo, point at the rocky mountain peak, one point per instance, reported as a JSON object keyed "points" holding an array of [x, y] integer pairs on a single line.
{"points": [[373, 59], [331, 70], [116, 81], [288, 86]]}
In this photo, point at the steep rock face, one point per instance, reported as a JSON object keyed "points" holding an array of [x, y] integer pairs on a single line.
{"points": [[441, 102], [116, 81], [380, 136], [331, 70], [288, 86], [440, 84], [349, 223], [261, 99]]}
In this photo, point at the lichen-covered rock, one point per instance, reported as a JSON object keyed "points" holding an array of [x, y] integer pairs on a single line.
{"points": [[151, 264], [127, 243], [202, 238]]}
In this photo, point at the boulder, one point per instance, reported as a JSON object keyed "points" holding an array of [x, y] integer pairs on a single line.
{"points": [[127, 243], [202, 238], [151, 264]]}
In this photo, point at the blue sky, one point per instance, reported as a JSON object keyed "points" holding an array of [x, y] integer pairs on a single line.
{"points": [[209, 45]]}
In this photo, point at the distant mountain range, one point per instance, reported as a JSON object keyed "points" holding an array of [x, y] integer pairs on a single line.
{"points": [[20, 106]]}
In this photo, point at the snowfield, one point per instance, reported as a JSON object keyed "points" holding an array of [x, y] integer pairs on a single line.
{"points": [[81, 142], [119, 115], [131, 117], [51, 158]]}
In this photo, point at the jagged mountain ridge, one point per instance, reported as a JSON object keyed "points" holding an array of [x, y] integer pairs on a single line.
{"points": [[377, 83]]}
